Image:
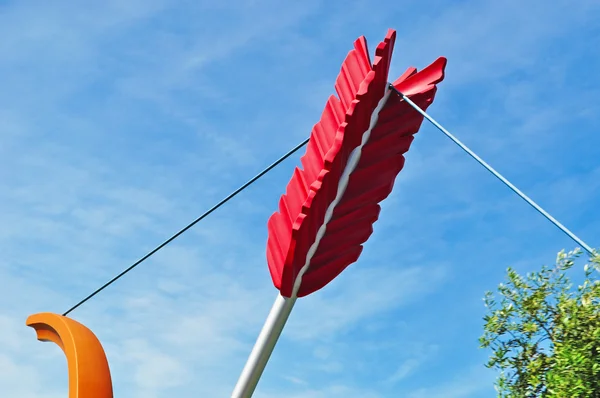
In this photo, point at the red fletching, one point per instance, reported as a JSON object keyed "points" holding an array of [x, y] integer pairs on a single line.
{"points": [[318, 226]]}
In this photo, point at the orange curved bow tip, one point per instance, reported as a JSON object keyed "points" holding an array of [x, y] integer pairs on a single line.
{"points": [[89, 374]]}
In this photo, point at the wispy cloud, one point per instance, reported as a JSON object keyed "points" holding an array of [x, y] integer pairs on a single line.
{"points": [[415, 361], [475, 382]]}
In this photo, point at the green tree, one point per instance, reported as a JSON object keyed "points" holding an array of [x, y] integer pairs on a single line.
{"points": [[544, 333]]}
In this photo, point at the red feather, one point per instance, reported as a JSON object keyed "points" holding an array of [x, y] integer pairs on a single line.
{"points": [[294, 229]]}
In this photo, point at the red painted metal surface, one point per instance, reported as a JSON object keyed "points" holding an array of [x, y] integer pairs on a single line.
{"points": [[312, 189]]}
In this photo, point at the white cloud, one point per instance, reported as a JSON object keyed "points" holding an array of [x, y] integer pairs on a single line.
{"points": [[413, 363], [476, 382], [359, 295]]}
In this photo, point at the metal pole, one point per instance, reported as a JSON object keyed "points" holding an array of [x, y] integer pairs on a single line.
{"points": [[495, 173], [282, 307]]}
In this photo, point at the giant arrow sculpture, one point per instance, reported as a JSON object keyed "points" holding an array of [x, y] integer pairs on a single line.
{"points": [[353, 156]]}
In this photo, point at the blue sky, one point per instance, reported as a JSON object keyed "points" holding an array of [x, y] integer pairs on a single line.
{"points": [[122, 122]]}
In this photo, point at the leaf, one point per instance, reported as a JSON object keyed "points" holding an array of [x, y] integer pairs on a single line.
{"points": [[544, 334]]}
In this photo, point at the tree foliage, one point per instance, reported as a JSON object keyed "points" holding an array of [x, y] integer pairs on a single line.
{"points": [[544, 333]]}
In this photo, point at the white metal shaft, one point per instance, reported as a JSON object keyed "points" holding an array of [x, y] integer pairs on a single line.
{"points": [[282, 307], [496, 174]]}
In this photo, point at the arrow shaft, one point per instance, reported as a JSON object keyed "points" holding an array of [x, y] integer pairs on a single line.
{"points": [[257, 361]]}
